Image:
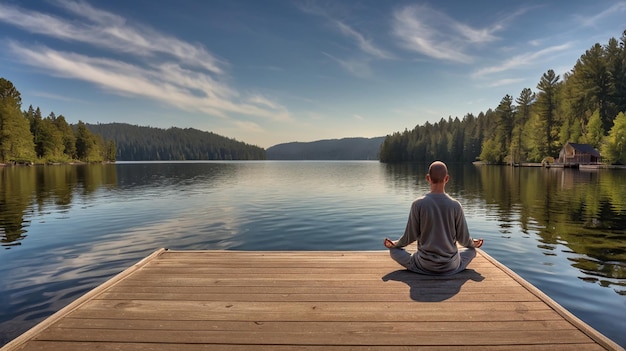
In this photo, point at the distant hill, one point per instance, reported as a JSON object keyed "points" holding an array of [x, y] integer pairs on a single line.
{"points": [[135, 143], [334, 149]]}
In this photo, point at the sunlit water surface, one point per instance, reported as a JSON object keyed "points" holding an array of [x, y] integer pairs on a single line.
{"points": [[66, 229]]}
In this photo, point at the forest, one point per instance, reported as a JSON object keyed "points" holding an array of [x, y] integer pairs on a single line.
{"points": [[26, 137], [135, 143], [587, 105]]}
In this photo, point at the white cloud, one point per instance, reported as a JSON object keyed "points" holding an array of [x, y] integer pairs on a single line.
{"points": [[419, 28], [106, 30], [249, 126], [591, 21], [506, 81], [169, 83], [429, 32], [522, 60], [99, 16], [476, 35], [365, 45], [280, 112], [169, 70], [47, 95], [358, 67]]}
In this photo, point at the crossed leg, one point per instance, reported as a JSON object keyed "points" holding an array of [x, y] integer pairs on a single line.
{"points": [[405, 259]]}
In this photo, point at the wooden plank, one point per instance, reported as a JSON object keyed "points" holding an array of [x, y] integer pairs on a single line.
{"points": [[231, 300], [330, 271], [311, 297], [275, 280], [227, 306], [396, 288], [282, 326], [335, 337], [317, 281], [256, 316], [116, 346]]}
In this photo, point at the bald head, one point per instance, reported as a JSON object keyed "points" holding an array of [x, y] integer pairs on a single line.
{"points": [[437, 172]]}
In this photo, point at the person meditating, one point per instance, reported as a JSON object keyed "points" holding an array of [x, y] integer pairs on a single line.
{"points": [[437, 223]]}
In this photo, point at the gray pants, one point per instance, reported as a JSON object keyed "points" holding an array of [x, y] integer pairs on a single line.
{"points": [[407, 261]]}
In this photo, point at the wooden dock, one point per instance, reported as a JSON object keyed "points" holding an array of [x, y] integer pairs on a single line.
{"points": [[241, 300]]}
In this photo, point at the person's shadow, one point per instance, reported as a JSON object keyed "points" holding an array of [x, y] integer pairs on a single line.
{"points": [[430, 288]]}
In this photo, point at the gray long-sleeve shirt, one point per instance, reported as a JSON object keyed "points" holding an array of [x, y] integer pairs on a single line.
{"points": [[437, 223]]}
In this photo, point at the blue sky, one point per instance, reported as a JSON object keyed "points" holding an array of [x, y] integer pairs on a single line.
{"points": [[268, 72]]}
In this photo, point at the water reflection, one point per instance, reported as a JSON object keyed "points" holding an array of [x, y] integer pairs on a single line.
{"points": [[583, 210], [408, 180], [27, 191]]}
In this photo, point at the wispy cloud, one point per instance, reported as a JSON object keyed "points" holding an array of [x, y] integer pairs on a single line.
{"points": [[358, 66], [280, 112], [429, 32], [110, 31], [367, 46], [506, 81], [591, 21], [420, 28], [249, 126], [169, 70], [47, 95], [522, 60]]}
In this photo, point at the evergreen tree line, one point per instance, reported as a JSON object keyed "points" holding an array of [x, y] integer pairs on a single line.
{"points": [[587, 105], [154, 144], [27, 137]]}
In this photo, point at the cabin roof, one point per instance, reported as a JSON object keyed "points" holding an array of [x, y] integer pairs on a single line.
{"points": [[585, 149]]}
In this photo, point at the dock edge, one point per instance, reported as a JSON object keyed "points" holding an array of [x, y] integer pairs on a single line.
{"points": [[580, 324], [16, 343]]}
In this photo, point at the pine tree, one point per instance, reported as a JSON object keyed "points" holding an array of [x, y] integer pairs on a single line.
{"points": [[49, 145], [16, 141], [87, 145], [597, 83], [504, 129], [522, 116], [546, 110], [69, 140]]}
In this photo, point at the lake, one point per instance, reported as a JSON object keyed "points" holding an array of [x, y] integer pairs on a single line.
{"points": [[66, 229]]}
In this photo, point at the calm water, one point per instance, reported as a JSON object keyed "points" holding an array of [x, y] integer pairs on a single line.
{"points": [[66, 229]]}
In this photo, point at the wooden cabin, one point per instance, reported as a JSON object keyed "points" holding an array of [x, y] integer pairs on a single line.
{"points": [[579, 154]]}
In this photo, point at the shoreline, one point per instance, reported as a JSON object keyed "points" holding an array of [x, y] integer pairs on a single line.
{"points": [[553, 165]]}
